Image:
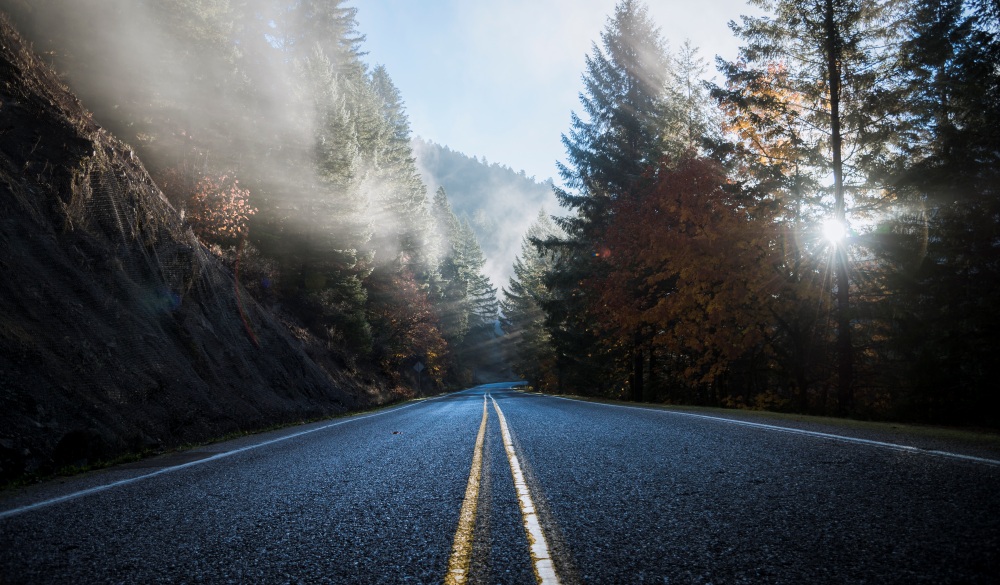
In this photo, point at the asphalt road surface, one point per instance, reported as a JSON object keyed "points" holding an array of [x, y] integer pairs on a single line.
{"points": [[580, 493]]}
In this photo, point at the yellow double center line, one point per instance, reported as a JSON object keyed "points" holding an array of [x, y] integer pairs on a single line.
{"points": [[461, 552]]}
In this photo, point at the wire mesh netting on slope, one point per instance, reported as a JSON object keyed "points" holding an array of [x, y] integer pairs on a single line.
{"points": [[118, 330]]}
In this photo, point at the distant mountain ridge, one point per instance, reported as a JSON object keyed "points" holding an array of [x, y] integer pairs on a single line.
{"points": [[498, 202]]}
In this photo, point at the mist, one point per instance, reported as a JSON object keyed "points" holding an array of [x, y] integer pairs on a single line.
{"points": [[135, 64], [206, 85], [269, 111], [499, 203]]}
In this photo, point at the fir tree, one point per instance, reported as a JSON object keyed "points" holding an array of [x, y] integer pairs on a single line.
{"points": [[401, 197], [608, 151], [625, 86], [453, 285], [478, 350], [527, 344], [690, 114], [943, 306], [832, 57]]}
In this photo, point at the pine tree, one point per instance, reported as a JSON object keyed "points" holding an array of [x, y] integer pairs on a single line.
{"points": [[315, 221], [625, 85], [453, 284], [336, 232], [832, 54], [465, 296], [527, 344], [943, 305], [403, 276], [483, 305], [623, 134], [401, 214], [689, 112], [332, 27], [479, 349]]}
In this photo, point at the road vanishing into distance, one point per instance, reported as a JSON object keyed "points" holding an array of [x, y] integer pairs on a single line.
{"points": [[491, 485]]}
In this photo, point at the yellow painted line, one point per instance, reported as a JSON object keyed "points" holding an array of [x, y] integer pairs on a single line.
{"points": [[461, 550], [541, 558]]}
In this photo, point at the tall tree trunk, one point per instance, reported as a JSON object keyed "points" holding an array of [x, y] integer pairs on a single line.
{"points": [[845, 358]]}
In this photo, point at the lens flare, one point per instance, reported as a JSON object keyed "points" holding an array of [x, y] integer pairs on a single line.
{"points": [[834, 231]]}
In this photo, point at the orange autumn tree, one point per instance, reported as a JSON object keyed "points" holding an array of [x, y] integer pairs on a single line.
{"points": [[690, 267], [406, 327], [215, 205], [765, 116], [219, 210]]}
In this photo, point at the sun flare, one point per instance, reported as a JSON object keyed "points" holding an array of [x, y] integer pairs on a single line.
{"points": [[834, 231]]}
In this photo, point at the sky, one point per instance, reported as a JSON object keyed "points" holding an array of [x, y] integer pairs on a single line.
{"points": [[499, 78]]}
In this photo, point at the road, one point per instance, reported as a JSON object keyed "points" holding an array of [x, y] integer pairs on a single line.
{"points": [[604, 494]]}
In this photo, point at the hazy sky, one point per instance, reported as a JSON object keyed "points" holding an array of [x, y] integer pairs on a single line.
{"points": [[499, 78]]}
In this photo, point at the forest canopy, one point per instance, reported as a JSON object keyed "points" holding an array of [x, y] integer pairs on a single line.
{"points": [[290, 157], [816, 230], [694, 261]]}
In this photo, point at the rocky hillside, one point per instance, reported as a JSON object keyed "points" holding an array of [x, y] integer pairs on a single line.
{"points": [[118, 330]]}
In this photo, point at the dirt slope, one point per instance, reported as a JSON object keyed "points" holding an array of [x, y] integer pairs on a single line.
{"points": [[118, 331]]}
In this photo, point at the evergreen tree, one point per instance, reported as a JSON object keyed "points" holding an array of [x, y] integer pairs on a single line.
{"points": [[478, 350], [952, 93], [623, 134], [625, 86], [401, 214], [466, 298], [403, 275], [483, 306], [690, 114], [330, 218], [835, 59], [527, 344], [453, 285], [331, 26], [944, 304]]}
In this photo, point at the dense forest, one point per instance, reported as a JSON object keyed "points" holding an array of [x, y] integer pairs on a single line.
{"points": [[819, 231], [290, 158]]}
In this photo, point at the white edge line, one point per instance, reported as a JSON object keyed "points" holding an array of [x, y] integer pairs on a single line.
{"points": [[794, 431], [100, 488], [540, 555]]}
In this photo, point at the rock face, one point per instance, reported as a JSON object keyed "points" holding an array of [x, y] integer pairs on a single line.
{"points": [[118, 330]]}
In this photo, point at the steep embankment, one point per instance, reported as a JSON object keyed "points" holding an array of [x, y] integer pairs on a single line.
{"points": [[117, 330]]}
